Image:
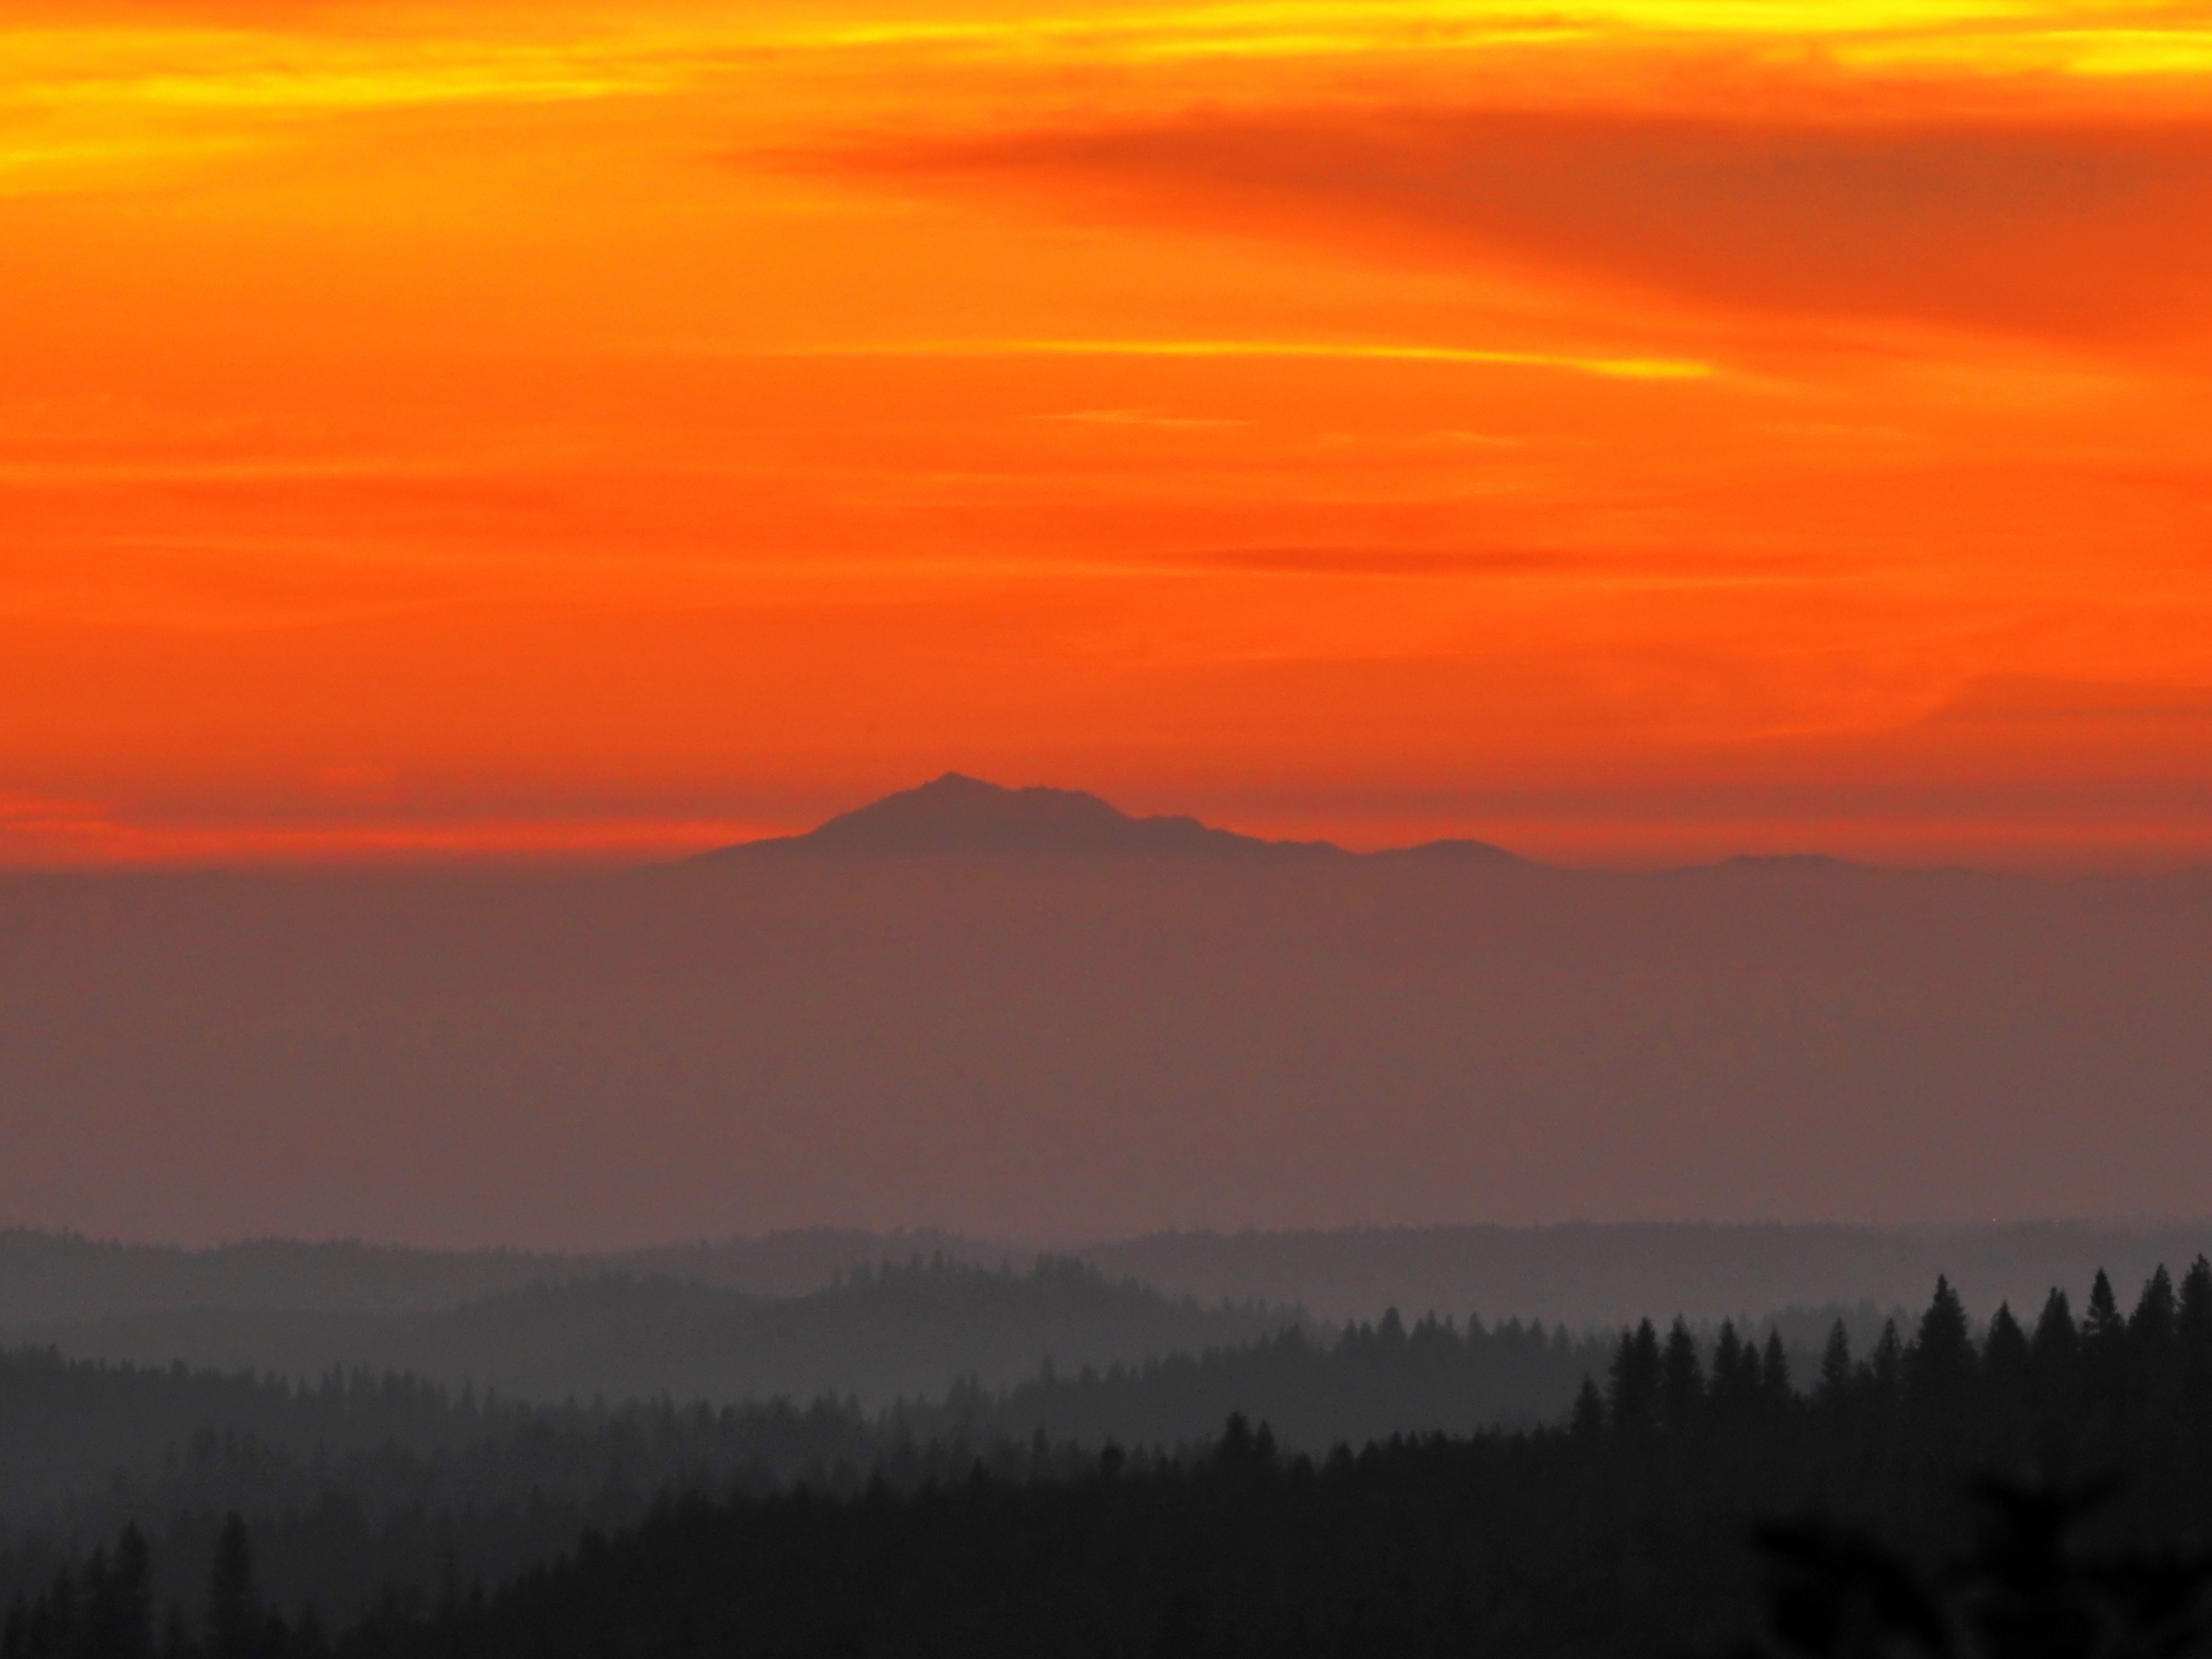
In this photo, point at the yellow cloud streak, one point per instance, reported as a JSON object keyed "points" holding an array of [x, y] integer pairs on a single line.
{"points": [[1330, 27], [2087, 53], [79, 70], [126, 96], [230, 67], [1627, 368]]}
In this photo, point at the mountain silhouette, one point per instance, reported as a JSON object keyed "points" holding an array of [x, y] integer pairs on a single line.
{"points": [[958, 813]]}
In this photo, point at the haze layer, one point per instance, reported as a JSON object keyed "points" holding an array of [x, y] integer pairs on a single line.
{"points": [[1023, 1015], [1625, 429]]}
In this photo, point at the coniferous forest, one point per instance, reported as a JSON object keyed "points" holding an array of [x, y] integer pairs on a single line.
{"points": [[2043, 1486]]}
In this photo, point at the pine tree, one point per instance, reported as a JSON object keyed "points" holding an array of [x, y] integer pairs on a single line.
{"points": [[2192, 1320], [1943, 1356], [1681, 1377], [119, 1601], [1728, 1358], [1633, 1388], [2004, 1355], [2150, 1328], [1836, 1366], [2103, 1330], [1774, 1372], [1589, 1410], [234, 1624], [1885, 1369], [2055, 1342]]}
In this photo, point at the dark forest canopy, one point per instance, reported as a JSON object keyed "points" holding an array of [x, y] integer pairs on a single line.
{"points": [[392, 1465], [1622, 1532]]}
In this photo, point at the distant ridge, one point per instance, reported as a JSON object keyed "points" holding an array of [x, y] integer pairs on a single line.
{"points": [[958, 813]]}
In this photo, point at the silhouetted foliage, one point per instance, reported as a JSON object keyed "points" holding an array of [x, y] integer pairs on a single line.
{"points": [[2023, 1591]]}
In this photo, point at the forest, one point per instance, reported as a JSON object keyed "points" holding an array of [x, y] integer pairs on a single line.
{"points": [[358, 1481], [1628, 1528]]}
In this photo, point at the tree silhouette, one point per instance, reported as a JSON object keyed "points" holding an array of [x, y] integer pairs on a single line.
{"points": [[1632, 1390], [1682, 1378], [232, 1618], [2023, 1591]]}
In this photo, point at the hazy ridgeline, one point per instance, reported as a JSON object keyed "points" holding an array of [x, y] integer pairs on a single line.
{"points": [[104, 1298], [881, 1334]]}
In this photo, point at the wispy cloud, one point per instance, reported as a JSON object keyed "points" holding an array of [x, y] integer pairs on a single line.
{"points": [[2075, 229], [1143, 417], [1377, 351]]}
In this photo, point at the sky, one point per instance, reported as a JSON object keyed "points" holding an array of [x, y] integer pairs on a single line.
{"points": [[1632, 431]]}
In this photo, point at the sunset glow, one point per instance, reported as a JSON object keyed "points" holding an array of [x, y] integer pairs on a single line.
{"points": [[1631, 432]]}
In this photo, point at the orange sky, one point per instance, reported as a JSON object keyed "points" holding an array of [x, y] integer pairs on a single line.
{"points": [[1631, 431]]}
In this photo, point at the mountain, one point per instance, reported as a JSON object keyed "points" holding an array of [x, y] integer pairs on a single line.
{"points": [[956, 813]]}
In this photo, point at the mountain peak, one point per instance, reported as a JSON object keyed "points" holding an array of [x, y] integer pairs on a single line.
{"points": [[956, 812]]}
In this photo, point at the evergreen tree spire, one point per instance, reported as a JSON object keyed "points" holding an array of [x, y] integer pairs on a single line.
{"points": [[1943, 1356], [2150, 1328], [232, 1621], [1886, 1367], [119, 1601], [2055, 1341], [1590, 1409], [2102, 1329], [1836, 1365], [1634, 1384], [2192, 1317], [1681, 1377], [2004, 1356], [1774, 1371]]}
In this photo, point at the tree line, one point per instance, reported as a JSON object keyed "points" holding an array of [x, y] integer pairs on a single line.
{"points": [[1621, 1531], [392, 1477]]}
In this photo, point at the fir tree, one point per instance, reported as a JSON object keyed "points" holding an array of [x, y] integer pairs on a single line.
{"points": [[1943, 1356], [1885, 1368], [1681, 1377], [119, 1601], [1774, 1388], [2193, 1321], [1588, 1416], [1633, 1389], [2150, 1328], [1728, 1360], [2055, 1341], [1836, 1366], [2005, 1354], [234, 1623], [2103, 1331]]}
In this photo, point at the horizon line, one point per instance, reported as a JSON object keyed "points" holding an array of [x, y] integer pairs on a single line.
{"points": [[52, 836]]}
